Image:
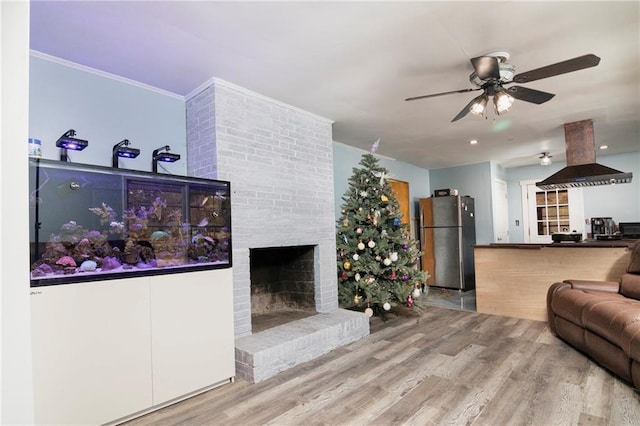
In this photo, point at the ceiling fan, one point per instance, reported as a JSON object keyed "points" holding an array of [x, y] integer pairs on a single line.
{"points": [[492, 72]]}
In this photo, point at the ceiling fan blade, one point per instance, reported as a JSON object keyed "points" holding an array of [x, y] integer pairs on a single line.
{"points": [[440, 94], [570, 65], [464, 111], [529, 95], [486, 67]]}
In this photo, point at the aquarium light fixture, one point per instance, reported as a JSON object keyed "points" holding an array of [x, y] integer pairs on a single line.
{"points": [[166, 157], [122, 149], [67, 141]]}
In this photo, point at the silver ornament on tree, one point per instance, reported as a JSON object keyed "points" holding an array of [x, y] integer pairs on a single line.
{"points": [[368, 312], [416, 292]]}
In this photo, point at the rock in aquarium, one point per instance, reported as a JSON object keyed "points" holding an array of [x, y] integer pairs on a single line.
{"points": [[88, 266]]}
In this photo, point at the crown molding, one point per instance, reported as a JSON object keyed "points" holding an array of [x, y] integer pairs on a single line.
{"points": [[104, 74], [223, 83]]}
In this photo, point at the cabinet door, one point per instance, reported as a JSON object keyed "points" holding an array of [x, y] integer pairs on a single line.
{"points": [[192, 332], [91, 351]]}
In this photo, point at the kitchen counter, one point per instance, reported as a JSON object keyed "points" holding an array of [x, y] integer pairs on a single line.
{"points": [[585, 243], [513, 279]]}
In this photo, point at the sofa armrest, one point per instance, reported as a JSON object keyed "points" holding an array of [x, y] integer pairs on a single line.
{"points": [[555, 288], [606, 286]]}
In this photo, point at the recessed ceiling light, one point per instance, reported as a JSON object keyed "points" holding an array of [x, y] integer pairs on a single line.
{"points": [[604, 146], [473, 141]]}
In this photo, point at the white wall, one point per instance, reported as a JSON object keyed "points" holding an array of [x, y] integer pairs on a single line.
{"points": [[16, 389], [103, 109]]}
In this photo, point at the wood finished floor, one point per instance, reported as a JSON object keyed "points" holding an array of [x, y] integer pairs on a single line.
{"points": [[441, 367]]}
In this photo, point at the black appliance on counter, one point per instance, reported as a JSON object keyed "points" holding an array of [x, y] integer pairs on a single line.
{"points": [[604, 228], [563, 237], [629, 229]]}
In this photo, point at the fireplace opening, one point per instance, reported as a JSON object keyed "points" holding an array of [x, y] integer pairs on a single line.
{"points": [[282, 285]]}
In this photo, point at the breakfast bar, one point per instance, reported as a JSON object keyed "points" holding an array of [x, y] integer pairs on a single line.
{"points": [[513, 279]]}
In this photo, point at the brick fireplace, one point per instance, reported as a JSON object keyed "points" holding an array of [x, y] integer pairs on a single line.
{"points": [[279, 160]]}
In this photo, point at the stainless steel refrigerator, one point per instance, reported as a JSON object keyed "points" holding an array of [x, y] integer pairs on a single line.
{"points": [[447, 237]]}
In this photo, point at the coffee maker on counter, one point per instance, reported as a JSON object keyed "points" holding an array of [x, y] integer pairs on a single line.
{"points": [[604, 228]]}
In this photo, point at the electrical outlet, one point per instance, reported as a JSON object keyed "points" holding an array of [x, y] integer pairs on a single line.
{"points": [[517, 222]]}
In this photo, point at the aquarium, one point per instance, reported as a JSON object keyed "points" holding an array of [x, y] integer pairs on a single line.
{"points": [[92, 223]]}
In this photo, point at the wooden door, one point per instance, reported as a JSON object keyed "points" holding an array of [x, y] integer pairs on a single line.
{"points": [[401, 190]]}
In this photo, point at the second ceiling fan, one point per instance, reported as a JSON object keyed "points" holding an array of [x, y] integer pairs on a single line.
{"points": [[492, 72]]}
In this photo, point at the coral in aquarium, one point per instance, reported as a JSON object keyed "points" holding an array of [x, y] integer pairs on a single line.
{"points": [[150, 234], [105, 212], [116, 227], [66, 261], [202, 248], [71, 233], [158, 207], [131, 252], [110, 263]]}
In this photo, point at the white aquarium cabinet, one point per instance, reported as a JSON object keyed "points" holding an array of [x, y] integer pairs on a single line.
{"points": [[111, 349]]}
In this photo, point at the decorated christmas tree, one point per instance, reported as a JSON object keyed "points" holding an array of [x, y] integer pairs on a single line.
{"points": [[376, 255]]}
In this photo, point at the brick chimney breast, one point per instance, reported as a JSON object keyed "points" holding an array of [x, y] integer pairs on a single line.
{"points": [[580, 142]]}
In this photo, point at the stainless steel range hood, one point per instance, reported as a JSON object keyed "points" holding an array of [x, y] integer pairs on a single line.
{"points": [[582, 169]]}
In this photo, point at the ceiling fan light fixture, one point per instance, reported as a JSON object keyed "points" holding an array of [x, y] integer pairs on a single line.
{"points": [[502, 101], [545, 159], [491, 72], [479, 105]]}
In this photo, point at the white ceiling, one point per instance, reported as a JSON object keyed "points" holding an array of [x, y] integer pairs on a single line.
{"points": [[356, 62]]}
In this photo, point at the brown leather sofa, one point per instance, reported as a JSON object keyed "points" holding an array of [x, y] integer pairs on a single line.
{"points": [[601, 319]]}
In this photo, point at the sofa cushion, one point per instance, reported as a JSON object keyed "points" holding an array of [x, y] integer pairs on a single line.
{"points": [[570, 304], [630, 286], [610, 318]]}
